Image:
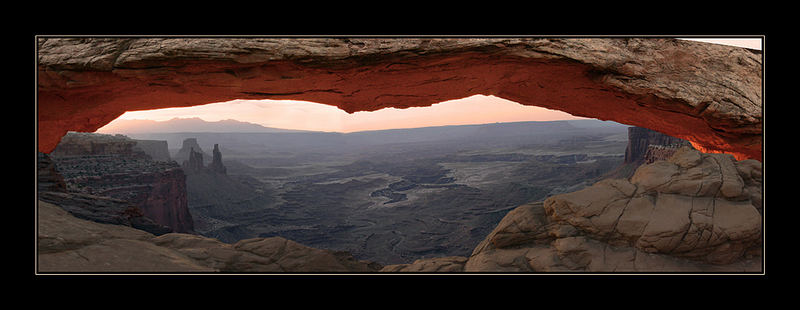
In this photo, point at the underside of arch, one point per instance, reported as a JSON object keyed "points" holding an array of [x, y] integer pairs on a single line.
{"points": [[705, 93]]}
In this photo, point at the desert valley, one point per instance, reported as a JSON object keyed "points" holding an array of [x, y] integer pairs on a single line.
{"points": [[664, 174]]}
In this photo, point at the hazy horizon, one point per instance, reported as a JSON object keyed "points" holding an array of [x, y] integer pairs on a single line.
{"points": [[245, 127], [311, 116]]}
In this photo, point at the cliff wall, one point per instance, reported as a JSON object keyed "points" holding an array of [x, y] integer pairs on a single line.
{"points": [[118, 170], [639, 139], [157, 149], [645, 146], [53, 189], [85, 144]]}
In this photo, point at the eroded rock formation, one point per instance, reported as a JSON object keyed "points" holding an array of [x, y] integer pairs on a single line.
{"points": [[194, 163], [694, 213], [640, 139], [156, 149], [90, 144], [187, 146], [216, 165], [645, 146], [53, 188], [111, 166], [47, 176], [705, 93]]}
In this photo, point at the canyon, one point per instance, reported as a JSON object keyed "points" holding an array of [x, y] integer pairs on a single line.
{"points": [[116, 167], [687, 201], [391, 196], [336, 220]]}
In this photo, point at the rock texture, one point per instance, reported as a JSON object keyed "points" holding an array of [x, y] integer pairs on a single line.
{"points": [[69, 244], [646, 146], [51, 187], [106, 210], [640, 140], [110, 166], [696, 212], [705, 93], [87, 144]]}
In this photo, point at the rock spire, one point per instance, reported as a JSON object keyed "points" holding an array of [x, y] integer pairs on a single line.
{"points": [[195, 161], [216, 163]]}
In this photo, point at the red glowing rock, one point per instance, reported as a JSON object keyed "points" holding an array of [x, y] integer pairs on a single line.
{"points": [[708, 94]]}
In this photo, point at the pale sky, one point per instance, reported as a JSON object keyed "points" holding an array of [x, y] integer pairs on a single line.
{"points": [[751, 43], [303, 115]]}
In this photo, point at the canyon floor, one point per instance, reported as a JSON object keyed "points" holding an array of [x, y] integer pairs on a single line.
{"points": [[391, 199]]}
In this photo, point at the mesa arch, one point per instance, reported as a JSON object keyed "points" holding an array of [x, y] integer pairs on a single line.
{"points": [[708, 94]]}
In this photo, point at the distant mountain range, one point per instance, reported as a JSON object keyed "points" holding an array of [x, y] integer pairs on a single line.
{"points": [[245, 139], [194, 124], [198, 125]]}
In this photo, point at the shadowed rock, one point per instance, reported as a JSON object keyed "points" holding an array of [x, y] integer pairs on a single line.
{"points": [[69, 244], [99, 165], [216, 162]]}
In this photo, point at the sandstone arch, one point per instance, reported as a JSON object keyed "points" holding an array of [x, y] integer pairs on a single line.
{"points": [[708, 94]]}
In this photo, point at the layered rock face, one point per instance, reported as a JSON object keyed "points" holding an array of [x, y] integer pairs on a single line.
{"points": [[116, 170], [695, 212], [69, 244], [87, 144], [47, 176], [646, 146], [81, 232], [82, 144], [52, 188], [156, 149], [640, 141], [195, 163], [659, 152], [705, 93]]}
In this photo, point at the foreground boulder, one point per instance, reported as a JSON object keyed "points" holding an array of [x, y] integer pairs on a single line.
{"points": [[437, 264], [68, 244], [695, 212]]}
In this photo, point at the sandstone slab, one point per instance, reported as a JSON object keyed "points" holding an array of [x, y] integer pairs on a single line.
{"points": [[66, 244], [428, 265], [671, 216]]}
